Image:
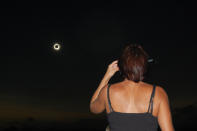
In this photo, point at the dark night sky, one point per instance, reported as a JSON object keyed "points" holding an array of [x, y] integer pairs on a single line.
{"points": [[39, 82]]}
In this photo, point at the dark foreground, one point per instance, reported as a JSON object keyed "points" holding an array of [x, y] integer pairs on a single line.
{"points": [[184, 119]]}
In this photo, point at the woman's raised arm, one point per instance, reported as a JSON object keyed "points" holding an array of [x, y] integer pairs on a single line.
{"points": [[97, 103]]}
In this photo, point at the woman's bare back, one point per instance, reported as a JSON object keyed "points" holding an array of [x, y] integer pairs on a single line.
{"points": [[132, 98]]}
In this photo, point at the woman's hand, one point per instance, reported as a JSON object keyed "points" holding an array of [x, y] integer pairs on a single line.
{"points": [[112, 69]]}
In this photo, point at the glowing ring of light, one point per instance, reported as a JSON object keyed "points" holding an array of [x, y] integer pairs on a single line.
{"points": [[56, 46]]}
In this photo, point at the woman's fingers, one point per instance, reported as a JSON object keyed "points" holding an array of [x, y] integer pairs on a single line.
{"points": [[114, 62], [114, 65], [112, 68]]}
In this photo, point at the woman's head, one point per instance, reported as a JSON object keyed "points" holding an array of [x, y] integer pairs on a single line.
{"points": [[133, 62]]}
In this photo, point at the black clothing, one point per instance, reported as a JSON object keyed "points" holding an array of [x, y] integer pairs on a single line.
{"points": [[119, 121]]}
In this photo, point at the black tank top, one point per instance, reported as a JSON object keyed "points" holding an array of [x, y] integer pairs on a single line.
{"points": [[119, 121]]}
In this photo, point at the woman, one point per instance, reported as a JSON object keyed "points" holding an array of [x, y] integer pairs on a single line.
{"points": [[129, 103]]}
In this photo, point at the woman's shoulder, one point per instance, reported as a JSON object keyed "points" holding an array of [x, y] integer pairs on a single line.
{"points": [[159, 89], [160, 93]]}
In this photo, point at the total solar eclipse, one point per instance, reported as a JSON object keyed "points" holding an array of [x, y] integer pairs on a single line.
{"points": [[56, 46]]}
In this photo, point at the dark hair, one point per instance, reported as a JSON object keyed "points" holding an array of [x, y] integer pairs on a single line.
{"points": [[133, 62]]}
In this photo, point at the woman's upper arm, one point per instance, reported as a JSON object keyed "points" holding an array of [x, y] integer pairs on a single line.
{"points": [[98, 105], [164, 113]]}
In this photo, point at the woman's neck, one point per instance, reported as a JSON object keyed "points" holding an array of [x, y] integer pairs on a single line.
{"points": [[132, 83]]}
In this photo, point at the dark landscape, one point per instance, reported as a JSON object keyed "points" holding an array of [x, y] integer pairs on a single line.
{"points": [[183, 119]]}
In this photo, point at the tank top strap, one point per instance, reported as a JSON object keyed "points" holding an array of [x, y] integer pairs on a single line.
{"points": [[108, 98], [150, 107]]}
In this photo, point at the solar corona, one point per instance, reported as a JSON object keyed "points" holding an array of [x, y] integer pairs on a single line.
{"points": [[56, 46]]}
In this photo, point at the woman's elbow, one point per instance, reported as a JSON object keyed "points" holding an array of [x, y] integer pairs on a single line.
{"points": [[94, 110]]}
